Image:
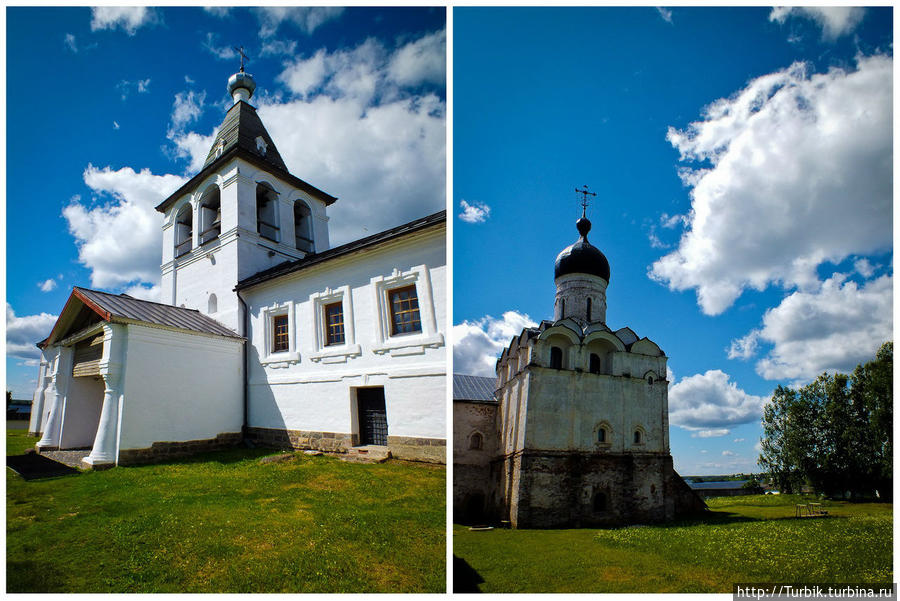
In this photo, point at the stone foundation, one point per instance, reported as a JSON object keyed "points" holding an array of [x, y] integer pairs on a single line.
{"points": [[162, 451], [329, 442], [551, 489], [430, 450]]}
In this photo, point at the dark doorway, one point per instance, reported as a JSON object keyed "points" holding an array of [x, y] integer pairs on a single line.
{"points": [[372, 416]]}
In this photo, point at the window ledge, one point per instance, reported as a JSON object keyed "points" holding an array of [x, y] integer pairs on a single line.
{"points": [[338, 354], [409, 345], [277, 360]]}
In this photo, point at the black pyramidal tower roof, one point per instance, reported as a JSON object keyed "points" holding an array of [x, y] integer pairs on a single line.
{"points": [[241, 127], [238, 137]]}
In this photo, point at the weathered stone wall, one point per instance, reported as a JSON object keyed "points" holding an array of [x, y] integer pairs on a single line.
{"points": [[162, 451], [330, 442], [561, 489], [473, 489], [430, 450]]}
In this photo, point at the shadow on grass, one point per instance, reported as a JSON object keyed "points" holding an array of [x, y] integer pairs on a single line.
{"points": [[33, 577], [721, 518], [465, 578]]}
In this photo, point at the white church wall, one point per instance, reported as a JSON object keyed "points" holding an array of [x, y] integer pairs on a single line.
{"points": [[309, 386], [81, 412], [566, 409], [179, 387], [215, 266]]}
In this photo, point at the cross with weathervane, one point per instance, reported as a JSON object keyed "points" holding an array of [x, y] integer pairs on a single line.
{"points": [[584, 199]]}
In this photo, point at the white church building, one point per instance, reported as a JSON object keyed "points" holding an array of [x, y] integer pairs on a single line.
{"points": [[574, 430], [265, 333]]}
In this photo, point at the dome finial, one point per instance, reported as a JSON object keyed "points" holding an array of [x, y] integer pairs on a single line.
{"points": [[583, 224], [241, 84]]}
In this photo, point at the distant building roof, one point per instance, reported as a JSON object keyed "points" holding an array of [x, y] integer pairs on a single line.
{"points": [[345, 249], [474, 388], [121, 308], [722, 485]]}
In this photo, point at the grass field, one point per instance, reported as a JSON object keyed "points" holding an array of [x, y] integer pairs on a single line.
{"points": [[223, 522], [744, 539]]}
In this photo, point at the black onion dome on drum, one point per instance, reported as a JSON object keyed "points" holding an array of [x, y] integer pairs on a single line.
{"points": [[582, 257]]}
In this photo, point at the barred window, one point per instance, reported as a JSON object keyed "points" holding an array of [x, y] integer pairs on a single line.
{"points": [[405, 310], [280, 333], [334, 324]]}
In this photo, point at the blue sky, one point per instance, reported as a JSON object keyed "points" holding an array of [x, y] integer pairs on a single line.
{"points": [[109, 110], [742, 159]]}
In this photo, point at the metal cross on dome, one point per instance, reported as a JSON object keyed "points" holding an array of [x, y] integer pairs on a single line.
{"points": [[240, 50], [584, 198]]}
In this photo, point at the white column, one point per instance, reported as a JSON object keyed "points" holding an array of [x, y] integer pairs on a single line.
{"points": [[37, 401], [57, 396], [105, 451]]}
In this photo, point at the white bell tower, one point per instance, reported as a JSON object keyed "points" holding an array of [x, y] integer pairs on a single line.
{"points": [[241, 214]]}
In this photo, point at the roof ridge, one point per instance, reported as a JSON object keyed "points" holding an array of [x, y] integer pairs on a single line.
{"points": [[141, 300]]}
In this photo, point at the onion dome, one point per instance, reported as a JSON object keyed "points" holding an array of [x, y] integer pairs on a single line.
{"points": [[241, 86], [582, 257]]}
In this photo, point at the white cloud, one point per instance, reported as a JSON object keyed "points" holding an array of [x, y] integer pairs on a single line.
{"points": [[308, 19], [744, 348], [128, 18], [727, 453], [710, 401], [120, 241], [350, 130], [835, 21], [187, 108], [305, 75], [141, 86], [47, 285], [801, 175], [193, 147], [712, 433], [670, 221], [278, 48], [739, 440], [864, 268], [830, 329], [476, 212], [220, 52], [420, 61], [70, 42], [665, 13], [477, 344], [218, 11], [23, 333], [150, 293]]}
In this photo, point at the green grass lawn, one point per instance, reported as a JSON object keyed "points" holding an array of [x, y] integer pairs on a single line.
{"points": [[744, 539], [223, 522]]}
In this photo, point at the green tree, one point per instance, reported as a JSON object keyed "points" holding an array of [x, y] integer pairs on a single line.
{"points": [[872, 391], [835, 433]]}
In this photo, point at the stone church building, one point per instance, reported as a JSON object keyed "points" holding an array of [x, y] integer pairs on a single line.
{"points": [[574, 430], [265, 332]]}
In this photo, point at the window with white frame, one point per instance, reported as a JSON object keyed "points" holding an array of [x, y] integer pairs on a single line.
{"points": [[335, 340], [280, 342], [406, 322]]}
